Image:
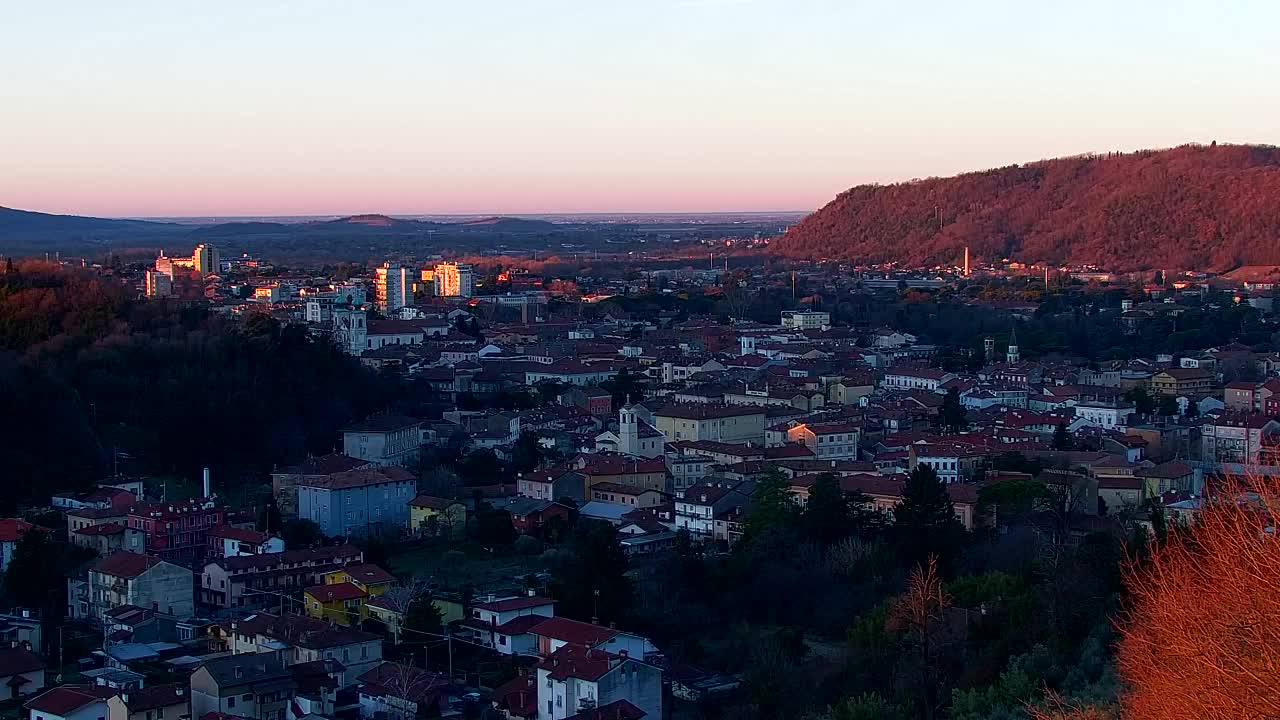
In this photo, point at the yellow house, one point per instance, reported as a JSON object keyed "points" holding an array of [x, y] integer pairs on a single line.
{"points": [[430, 515], [370, 578], [342, 598], [341, 603]]}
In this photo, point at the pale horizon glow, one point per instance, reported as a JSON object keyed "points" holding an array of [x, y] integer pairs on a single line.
{"points": [[157, 108]]}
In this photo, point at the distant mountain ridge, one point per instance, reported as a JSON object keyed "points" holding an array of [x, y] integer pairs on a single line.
{"points": [[1192, 207], [12, 220]]}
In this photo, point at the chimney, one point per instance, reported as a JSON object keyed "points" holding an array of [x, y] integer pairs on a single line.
{"points": [[101, 681], [125, 698], [239, 672], [206, 483]]}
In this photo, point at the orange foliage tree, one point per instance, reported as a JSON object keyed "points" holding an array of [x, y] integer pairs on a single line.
{"points": [[1202, 636]]}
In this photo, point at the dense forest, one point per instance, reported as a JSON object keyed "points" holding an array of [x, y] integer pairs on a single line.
{"points": [[94, 378], [1191, 207]]}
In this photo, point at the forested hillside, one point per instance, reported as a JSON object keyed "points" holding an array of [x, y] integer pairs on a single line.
{"points": [[86, 370], [1191, 207]]}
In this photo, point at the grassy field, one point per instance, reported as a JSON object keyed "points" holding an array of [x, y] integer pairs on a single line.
{"points": [[452, 566]]}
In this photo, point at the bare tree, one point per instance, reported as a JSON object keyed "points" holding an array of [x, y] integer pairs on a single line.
{"points": [[919, 612]]}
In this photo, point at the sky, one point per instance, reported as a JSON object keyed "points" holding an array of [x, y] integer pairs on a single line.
{"points": [[273, 107]]}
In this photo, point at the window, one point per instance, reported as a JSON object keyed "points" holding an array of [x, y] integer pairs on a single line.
{"points": [[247, 697], [231, 703]]}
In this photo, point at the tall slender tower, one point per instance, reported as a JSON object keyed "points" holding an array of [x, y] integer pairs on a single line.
{"points": [[1013, 355], [966, 261]]}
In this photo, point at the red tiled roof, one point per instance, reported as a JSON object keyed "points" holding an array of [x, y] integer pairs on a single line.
{"points": [[577, 661], [125, 564], [369, 574], [361, 478], [64, 700], [616, 710], [336, 592], [18, 660], [519, 696], [244, 535], [327, 465], [267, 561], [111, 528], [12, 529], [516, 603], [155, 697], [430, 501], [573, 631]]}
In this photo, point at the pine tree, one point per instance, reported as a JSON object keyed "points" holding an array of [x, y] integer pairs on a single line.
{"points": [[771, 505], [925, 523], [951, 416], [1062, 439], [827, 516]]}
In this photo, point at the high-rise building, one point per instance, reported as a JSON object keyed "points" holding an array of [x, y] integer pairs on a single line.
{"points": [[158, 284], [393, 287], [206, 259], [454, 280], [165, 265]]}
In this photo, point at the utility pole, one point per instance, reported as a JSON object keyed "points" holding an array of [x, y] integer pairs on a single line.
{"points": [[449, 640]]}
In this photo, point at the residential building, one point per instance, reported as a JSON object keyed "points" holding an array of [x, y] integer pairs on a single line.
{"points": [[299, 639], [384, 440], [829, 441], [159, 702], [107, 538], [71, 702], [631, 496], [392, 287], [21, 673], [284, 484], [393, 690], [342, 596], [256, 580], [177, 531], [697, 508], [256, 686], [358, 503], [704, 421], [575, 679], [125, 578], [640, 473], [1103, 414], [1182, 381], [454, 280], [504, 624], [227, 541], [437, 517], [915, 379], [206, 259], [11, 532], [157, 284], [1247, 439], [805, 320]]}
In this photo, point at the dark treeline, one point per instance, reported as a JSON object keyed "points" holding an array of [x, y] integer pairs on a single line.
{"points": [[91, 376]]}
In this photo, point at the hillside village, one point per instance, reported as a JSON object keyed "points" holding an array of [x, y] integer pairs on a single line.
{"points": [[410, 572]]}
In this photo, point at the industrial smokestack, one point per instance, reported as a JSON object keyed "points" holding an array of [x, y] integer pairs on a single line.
{"points": [[206, 483]]}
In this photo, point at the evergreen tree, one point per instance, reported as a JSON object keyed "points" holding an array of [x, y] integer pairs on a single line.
{"points": [[34, 574], [771, 505], [924, 523], [1062, 439], [827, 516], [592, 583], [423, 615], [951, 416]]}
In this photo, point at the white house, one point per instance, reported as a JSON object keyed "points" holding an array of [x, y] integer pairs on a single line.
{"points": [[575, 678], [1103, 414]]}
